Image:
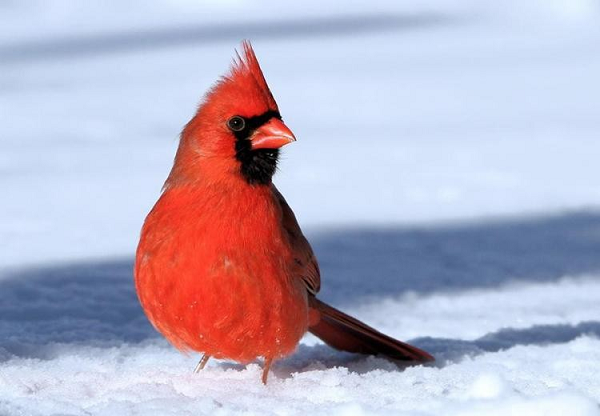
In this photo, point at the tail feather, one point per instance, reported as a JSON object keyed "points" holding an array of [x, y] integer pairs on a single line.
{"points": [[346, 333]]}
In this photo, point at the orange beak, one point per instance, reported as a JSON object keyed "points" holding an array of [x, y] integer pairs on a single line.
{"points": [[272, 135]]}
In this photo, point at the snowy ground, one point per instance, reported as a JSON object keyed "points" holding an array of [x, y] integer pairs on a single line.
{"points": [[446, 173]]}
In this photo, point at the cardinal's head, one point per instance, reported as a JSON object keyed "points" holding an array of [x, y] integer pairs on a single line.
{"points": [[237, 131]]}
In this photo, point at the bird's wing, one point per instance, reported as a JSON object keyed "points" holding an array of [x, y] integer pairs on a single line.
{"points": [[306, 266]]}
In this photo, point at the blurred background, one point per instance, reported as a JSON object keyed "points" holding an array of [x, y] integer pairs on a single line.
{"points": [[446, 172], [406, 112]]}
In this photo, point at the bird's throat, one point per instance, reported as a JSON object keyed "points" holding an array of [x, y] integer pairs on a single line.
{"points": [[256, 166]]}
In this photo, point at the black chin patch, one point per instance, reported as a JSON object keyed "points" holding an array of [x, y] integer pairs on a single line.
{"points": [[257, 166]]}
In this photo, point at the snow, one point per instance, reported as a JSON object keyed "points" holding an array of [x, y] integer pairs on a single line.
{"points": [[446, 175]]}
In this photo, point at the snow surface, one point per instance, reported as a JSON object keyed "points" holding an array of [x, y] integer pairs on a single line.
{"points": [[446, 174]]}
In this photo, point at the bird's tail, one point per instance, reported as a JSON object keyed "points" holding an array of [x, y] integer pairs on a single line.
{"points": [[346, 333]]}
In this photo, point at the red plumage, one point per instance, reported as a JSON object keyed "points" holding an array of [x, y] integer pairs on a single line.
{"points": [[222, 266]]}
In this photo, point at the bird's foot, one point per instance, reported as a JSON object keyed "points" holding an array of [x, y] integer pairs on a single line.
{"points": [[266, 368], [202, 363]]}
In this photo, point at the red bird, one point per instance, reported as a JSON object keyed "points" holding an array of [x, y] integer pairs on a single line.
{"points": [[222, 266]]}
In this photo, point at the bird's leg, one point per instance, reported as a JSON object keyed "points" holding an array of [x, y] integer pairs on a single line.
{"points": [[266, 368], [202, 363]]}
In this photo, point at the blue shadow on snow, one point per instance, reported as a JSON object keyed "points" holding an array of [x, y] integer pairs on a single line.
{"points": [[95, 303]]}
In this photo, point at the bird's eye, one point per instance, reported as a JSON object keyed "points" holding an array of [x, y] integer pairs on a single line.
{"points": [[236, 123]]}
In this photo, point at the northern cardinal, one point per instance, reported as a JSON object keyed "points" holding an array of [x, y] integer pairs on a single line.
{"points": [[222, 266]]}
